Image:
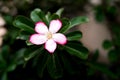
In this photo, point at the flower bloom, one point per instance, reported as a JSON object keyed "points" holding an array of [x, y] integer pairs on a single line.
{"points": [[48, 36]]}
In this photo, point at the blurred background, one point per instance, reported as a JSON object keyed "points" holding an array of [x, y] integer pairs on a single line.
{"points": [[101, 35]]}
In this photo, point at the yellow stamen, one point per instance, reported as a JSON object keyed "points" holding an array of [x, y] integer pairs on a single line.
{"points": [[49, 35]]}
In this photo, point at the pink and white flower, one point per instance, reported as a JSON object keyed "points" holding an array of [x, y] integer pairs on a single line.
{"points": [[49, 37]]}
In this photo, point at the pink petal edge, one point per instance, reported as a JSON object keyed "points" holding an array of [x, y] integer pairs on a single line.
{"points": [[55, 26], [50, 46], [60, 38], [37, 39], [40, 27]]}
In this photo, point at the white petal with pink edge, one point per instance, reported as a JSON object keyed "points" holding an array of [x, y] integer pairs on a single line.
{"points": [[60, 38], [50, 45], [41, 28], [55, 26], [38, 39]]}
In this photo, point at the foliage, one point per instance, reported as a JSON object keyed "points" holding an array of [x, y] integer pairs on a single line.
{"points": [[51, 62], [21, 60]]}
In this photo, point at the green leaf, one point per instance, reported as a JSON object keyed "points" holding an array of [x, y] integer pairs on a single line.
{"points": [[78, 20], [67, 65], [11, 67], [31, 52], [37, 15], [48, 15], [65, 25], [23, 35], [76, 35], [107, 44], [76, 50], [54, 67], [28, 43], [18, 57], [15, 60], [24, 24], [54, 16], [59, 12], [4, 53], [8, 19], [42, 63]]}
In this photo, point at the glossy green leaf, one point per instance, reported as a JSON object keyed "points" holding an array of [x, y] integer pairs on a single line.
{"points": [[8, 19], [48, 15], [78, 20], [31, 52], [23, 35], [37, 15], [54, 66], [59, 12], [54, 16], [24, 24], [65, 25], [76, 35], [76, 50]]}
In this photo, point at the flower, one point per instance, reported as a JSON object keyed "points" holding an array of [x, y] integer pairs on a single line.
{"points": [[49, 37]]}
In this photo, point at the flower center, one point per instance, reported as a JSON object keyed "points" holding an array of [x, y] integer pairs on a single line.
{"points": [[49, 35]]}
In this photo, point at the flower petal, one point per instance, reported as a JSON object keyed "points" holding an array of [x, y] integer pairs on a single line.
{"points": [[60, 38], [55, 25], [50, 45], [38, 39], [41, 28]]}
